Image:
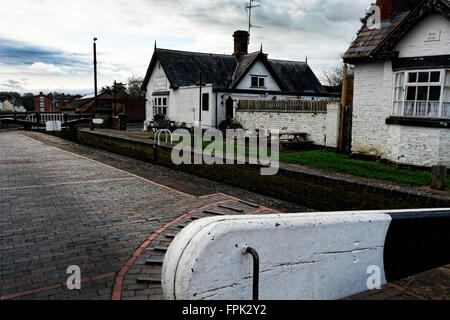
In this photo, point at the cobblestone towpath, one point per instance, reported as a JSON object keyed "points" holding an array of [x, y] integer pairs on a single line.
{"points": [[62, 204]]}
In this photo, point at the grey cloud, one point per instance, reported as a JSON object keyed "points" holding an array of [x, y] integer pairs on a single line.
{"points": [[14, 84], [16, 53]]}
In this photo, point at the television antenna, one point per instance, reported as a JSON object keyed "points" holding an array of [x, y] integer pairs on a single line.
{"points": [[249, 9]]}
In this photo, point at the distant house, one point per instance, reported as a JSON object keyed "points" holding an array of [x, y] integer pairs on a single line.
{"points": [[402, 84], [86, 104], [52, 103], [172, 79], [6, 106]]}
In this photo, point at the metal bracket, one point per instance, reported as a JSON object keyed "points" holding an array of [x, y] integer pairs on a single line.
{"points": [[254, 254]]}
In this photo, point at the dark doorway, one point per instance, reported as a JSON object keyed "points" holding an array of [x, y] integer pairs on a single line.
{"points": [[229, 108]]}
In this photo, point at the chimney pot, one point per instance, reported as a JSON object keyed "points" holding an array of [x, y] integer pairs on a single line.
{"points": [[241, 41]]}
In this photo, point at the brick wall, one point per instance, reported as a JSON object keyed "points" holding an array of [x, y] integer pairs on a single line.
{"points": [[135, 111]]}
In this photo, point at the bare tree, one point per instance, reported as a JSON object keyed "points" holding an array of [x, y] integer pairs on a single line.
{"points": [[134, 88], [334, 77]]}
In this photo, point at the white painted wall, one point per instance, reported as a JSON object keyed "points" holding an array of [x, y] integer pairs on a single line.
{"points": [[158, 82], [322, 127], [302, 256], [222, 98], [259, 70], [333, 125], [181, 102], [416, 44], [185, 99], [312, 123], [373, 104]]}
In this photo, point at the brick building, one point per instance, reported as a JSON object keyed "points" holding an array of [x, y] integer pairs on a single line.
{"points": [[53, 103]]}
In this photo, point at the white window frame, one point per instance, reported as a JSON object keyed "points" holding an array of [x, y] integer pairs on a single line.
{"points": [[444, 73], [158, 105], [264, 78]]}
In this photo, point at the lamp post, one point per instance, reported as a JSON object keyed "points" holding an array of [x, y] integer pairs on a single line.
{"points": [[115, 98], [95, 77]]}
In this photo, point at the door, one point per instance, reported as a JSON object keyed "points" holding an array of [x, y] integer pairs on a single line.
{"points": [[230, 108]]}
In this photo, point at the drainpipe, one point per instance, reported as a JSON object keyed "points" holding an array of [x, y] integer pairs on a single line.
{"points": [[217, 110]]}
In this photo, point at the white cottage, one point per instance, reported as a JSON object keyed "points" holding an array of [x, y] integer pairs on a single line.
{"points": [[402, 84], [171, 82]]}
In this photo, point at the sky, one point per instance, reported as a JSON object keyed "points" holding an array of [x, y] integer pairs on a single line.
{"points": [[46, 45]]}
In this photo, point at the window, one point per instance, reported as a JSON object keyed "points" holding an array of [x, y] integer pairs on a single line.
{"points": [[205, 102], [160, 106], [258, 82], [422, 93], [261, 82], [446, 96]]}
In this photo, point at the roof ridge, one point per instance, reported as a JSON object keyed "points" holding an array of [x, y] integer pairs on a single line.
{"points": [[279, 60], [196, 52]]}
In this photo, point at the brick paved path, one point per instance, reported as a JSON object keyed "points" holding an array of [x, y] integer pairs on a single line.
{"points": [[59, 209]]}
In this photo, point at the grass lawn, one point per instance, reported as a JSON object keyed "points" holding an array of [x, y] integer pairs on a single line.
{"points": [[342, 163]]}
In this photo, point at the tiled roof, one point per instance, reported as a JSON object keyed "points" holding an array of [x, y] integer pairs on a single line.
{"points": [[378, 43], [297, 76], [183, 68], [225, 71], [369, 40], [86, 102], [244, 63]]}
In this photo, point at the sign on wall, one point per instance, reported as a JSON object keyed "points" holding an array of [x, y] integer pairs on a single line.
{"points": [[433, 36], [53, 126], [160, 81]]}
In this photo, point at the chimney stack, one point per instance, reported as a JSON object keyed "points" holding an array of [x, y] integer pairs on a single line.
{"points": [[241, 41], [389, 8]]}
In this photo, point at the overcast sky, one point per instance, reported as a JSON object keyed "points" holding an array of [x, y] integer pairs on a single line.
{"points": [[46, 45]]}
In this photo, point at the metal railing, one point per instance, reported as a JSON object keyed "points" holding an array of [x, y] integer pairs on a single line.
{"points": [[168, 134]]}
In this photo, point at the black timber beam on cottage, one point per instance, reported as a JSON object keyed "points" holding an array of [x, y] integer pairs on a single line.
{"points": [[161, 93], [419, 122], [426, 62]]}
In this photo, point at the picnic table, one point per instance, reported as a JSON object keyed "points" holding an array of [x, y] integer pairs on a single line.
{"points": [[298, 136]]}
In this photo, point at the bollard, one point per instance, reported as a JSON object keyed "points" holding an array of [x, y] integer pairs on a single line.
{"points": [[155, 153], [438, 177]]}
